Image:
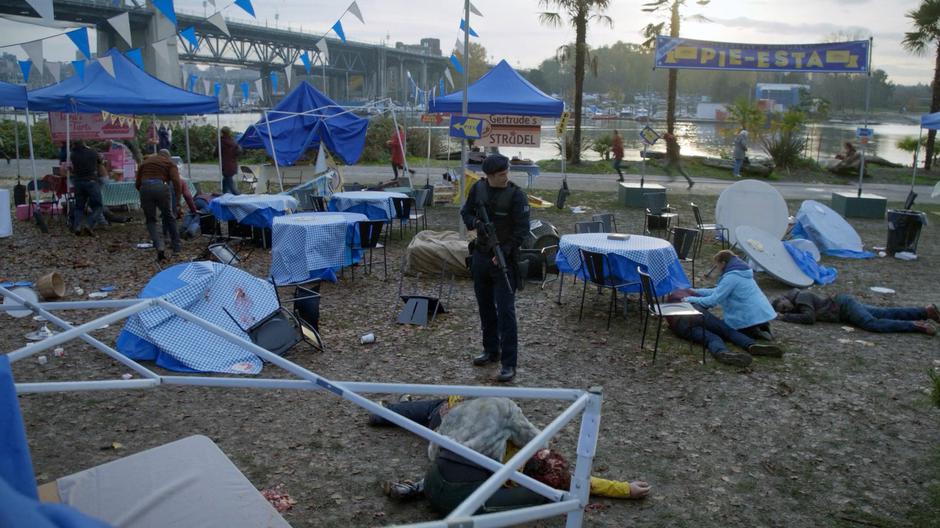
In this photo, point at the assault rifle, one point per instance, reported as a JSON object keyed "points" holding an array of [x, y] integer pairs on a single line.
{"points": [[490, 231]]}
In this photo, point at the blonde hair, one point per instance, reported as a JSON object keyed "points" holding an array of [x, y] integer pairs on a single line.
{"points": [[723, 257]]}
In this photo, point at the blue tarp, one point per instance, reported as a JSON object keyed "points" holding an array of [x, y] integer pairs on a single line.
{"points": [[930, 121], [501, 91], [130, 91], [808, 265], [12, 95], [343, 132]]}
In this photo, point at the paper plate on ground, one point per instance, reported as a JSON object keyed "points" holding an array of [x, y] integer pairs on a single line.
{"points": [[767, 250], [881, 289], [27, 294], [752, 203]]}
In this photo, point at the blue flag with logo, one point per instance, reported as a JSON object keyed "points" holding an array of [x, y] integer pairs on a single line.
{"points": [[274, 82], [471, 32]]}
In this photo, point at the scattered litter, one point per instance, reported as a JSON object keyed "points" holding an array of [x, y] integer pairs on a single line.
{"points": [[144, 245], [127, 376], [78, 291], [366, 339], [905, 255], [844, 341], [864, 343], [281, 501], [848, 328], [878, 248], [578, 209], [58, 352], [107, 288], [881, 289], [97, 295], [24, 284], [882, 254], [42, 360]]}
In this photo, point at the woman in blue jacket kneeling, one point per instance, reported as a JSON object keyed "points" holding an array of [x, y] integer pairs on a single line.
{"points": [[744, 305]]}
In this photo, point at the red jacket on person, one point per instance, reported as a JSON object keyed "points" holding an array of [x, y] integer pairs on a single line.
{"points": [[396, 143]]}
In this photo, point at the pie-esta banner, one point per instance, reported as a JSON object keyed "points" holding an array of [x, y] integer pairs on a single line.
{"points": [[830, 57]]}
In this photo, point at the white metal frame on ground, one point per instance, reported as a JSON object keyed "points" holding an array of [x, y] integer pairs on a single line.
{"points": [[570, 502]]}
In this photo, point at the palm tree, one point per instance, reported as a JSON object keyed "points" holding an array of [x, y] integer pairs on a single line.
{"points": [[926, 34], [578, 13], [650, 32]]}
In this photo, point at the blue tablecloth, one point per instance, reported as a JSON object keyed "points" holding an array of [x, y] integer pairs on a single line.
{"points": [[256, 210], [203, 289], [309, 246], [654, 255], [377, 205]]}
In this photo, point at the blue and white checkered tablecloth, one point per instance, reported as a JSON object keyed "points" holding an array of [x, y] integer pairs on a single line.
{"points": [[654, 255], [377, 205], [252, 209], [203, 289], [307, 246], [125, 193]]}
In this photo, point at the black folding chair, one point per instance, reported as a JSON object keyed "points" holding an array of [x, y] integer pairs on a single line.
{"points": [[545, 261], [306, 309], [686, 243], [659, 310], [658, 213], [402, 213], [599, 270], [703, 227], [419, 208], [370, 233], [588, 227], [608, 220], [308, 200]]}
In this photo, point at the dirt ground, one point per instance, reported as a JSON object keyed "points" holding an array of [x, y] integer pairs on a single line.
{"points": [[839, 432]]}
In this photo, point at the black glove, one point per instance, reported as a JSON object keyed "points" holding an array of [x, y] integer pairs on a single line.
{"points": [[479, 226]]}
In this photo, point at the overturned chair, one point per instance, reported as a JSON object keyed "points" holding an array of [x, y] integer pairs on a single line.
{"points": [[422, 309]]}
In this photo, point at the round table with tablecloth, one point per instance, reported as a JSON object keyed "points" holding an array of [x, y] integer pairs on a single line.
{"points": [[256, 210], [377, 205], [308, 246], [654, 255]]}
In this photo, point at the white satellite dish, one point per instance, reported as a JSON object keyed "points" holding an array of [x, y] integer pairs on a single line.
{"points": [[752, 203], [827, 228], [806, 245], [27, 294], [767, 250]]}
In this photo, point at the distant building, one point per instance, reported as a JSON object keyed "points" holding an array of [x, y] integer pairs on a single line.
{"points": [[428, 46], [778, 97]]}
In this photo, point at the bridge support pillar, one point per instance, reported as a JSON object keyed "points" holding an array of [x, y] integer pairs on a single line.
{"points": [[157, 29]]}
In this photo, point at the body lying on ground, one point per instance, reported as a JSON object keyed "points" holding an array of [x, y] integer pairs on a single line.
{"points": [[803, 307]]}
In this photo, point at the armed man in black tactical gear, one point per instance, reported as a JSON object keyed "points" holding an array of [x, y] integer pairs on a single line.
{"points": [[499, 212]]}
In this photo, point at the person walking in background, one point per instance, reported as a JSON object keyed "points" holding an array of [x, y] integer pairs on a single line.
{"points": [[85, 162], [616, 148], [740, 152], [671, 140], [230, 152], [164, 137], [397, 145], [154, 178]]}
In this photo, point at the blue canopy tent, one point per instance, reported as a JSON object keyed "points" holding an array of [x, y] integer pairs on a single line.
{"points": [[501, 91], [304, 119], [130, 91], [14, 95]]}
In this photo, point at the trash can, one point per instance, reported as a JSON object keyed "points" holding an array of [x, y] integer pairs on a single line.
{"points": [[904, 230]]}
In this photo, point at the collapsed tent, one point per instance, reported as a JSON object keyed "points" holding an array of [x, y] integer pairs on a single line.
{"points": [[303, 119], [12, 95], [130, 90], [501, 91], [829, 231]]}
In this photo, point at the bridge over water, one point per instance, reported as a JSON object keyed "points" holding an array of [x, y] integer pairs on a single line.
{"points": [[355, 70]]}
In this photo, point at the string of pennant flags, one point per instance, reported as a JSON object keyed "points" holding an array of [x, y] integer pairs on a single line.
{"points": [[137, 121], [310, 58]]}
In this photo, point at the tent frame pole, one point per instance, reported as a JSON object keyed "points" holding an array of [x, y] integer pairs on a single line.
{"points": [[218, 139], [404, 150], [32, 157], [189, 165], [920, 134], [277, 167], [861, 168], [16, 133], [462, 229]]}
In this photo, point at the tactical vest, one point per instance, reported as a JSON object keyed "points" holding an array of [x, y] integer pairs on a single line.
{"points": [[499, 208]]}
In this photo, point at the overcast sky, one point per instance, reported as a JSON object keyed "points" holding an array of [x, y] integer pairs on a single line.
{"points": [[510, 29]]}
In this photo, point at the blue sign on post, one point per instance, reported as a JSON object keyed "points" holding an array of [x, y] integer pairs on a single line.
{"points": [[861, 132], [465, 127]]}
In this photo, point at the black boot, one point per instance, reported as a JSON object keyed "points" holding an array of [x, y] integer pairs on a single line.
{"points": [[506, 373], [485, 358], [404, 490]]}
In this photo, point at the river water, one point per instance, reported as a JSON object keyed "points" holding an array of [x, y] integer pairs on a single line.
{"points": [[696, 139]]}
